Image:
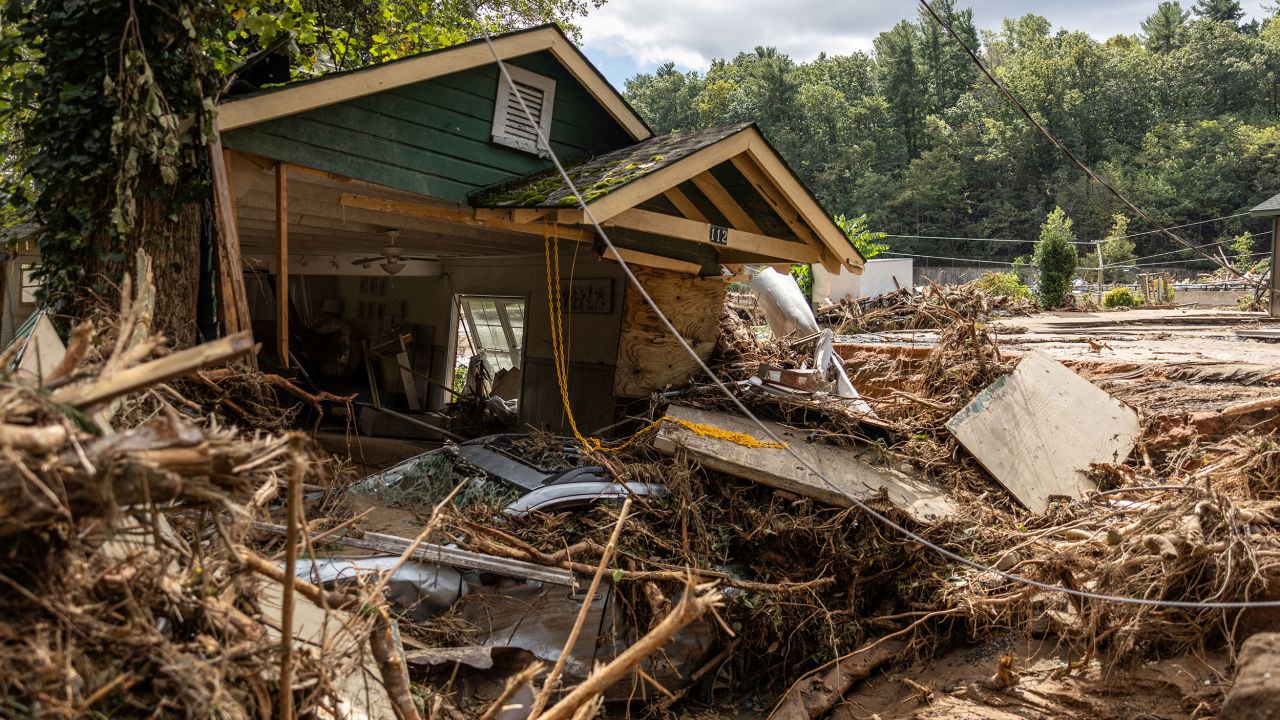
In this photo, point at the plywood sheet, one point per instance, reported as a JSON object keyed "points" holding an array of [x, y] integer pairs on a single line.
{"points": [[860, 473], [1037, 430], [649, 358]]}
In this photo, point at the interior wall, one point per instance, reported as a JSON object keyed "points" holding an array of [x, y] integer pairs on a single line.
{"points": [[591, 334]]}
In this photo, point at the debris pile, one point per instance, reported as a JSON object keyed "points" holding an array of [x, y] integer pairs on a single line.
{"points": [[923, 308], [163, 561]]}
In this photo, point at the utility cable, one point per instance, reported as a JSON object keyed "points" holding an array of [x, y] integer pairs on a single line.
{"points": [[888, 522], [1065, 150]]}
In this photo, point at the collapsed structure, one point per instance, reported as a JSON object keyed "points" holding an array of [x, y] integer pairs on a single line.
{"points": [[1051, 522]]}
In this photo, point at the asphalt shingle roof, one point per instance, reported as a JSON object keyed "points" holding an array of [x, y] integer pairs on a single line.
{"points": [[1268, 208], [601, 175]]}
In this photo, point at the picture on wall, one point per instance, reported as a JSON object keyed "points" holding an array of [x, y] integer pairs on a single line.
{"points": [[594, 296]]}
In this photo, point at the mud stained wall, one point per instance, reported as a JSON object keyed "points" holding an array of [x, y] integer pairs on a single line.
{"points": [[591, 330], [649, 358]]}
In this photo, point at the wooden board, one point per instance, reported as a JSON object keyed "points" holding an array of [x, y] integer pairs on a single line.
{"points": [[1037, 430], [860, 473], [649, 358]]}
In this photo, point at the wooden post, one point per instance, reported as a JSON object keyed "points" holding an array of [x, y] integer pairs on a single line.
{"points": [[1275, 267], [282, 264], [232, 299]]}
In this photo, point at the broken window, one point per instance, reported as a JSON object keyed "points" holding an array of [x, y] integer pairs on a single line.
{"points": [[495, 328]]}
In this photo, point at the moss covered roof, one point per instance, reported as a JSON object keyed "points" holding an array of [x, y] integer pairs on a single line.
{"points": [[599, 176]]}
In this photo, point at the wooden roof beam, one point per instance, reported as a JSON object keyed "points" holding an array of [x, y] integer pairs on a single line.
{"points": [[684, 204], [725, 203], [772, 195], [460, 217], [702, 233]]}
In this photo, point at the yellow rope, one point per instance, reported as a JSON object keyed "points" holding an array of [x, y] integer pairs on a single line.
{"points": [[555, 309]]}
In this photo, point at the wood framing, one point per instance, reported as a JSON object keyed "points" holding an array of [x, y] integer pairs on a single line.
{"points": [[821, 239], [282, 264], [463, 217], [829, 234], [776, 198], [724, 202], [233, 302], [700, 232], [341, 87], [643, 259], [684, 204]]}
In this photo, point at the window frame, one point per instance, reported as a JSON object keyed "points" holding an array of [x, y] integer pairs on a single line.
{"points": [[516, 346]]}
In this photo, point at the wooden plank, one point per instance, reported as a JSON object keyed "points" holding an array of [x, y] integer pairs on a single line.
{"points": [[1037, 430], [233, 299], [463, 217], [861, 473], [637, 258], [775, 197], [699, 232], [724, 202], [649, 358], [347, 86], [684, 204], [282, 263]]}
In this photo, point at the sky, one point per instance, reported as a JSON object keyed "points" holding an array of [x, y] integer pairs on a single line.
{"points": [[629, 36]]}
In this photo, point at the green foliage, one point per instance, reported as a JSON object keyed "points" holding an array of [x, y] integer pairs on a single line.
{"points": [[330, 35], [1116, 248], [1242, 247], [1055, 258], [803, 275], [1185, 121], [1021, 269], [1005, 284], [863, 239], [111, 110], [1121, 297], [1166, 28]]}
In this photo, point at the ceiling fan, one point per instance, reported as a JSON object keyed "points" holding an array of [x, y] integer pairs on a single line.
{"points": [[392, 259]]}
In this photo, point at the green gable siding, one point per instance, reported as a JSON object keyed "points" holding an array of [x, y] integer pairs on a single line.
{"points": [[433, 137]]}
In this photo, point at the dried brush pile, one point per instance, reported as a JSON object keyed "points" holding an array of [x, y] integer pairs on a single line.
{"points": [[127, 591], [928, 309]]}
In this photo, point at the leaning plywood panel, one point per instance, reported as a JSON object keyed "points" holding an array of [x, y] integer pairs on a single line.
{"points": [[649, 358], [1037, 430], [860, 473]]}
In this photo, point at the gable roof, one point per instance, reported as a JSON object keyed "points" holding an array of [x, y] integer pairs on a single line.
{"points": [[304, 95], [614, 184], [1269, 208], [598, 176]]}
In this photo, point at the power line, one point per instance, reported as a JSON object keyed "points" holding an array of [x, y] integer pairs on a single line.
{"points": [[966, 239], [937, 257], [746, 412], [1073, 242], [1167, 262]]}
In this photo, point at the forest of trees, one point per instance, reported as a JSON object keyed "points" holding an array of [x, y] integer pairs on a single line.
{"points": [[1184, 118]]}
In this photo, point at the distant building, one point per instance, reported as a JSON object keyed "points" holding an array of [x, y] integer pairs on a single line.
{"points": [[1271, 209]]}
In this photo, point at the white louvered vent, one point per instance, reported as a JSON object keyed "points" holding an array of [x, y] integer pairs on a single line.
{"points": [[511, 126]]}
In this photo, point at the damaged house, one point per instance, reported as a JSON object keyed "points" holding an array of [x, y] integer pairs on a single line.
{"points": [[395, 220]]}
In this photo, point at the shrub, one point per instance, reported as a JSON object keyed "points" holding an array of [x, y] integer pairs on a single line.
{"points": [[1055, 258], [1120, 297], [1005, 284]]}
